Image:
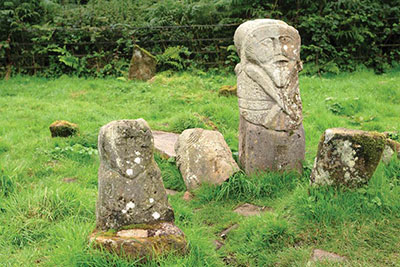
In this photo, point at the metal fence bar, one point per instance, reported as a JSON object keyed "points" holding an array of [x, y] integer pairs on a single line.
{"points": [[131, 27]]}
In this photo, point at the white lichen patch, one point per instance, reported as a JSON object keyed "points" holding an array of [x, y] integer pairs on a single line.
{"points": [[347, 153], [137, 153], [129, 172], [151, 200], [328, 135], [156, 215], [128, 206], [285, 47], [138, 160], [322, 177]]}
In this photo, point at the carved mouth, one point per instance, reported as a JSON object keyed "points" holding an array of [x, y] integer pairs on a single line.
{"points": [[281, 62]]}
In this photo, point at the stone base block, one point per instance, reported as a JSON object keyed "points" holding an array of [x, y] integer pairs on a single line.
{"points": [[268, 150], [141, 241]]}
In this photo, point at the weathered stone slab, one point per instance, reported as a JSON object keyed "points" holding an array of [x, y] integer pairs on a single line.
{"points": [[226, 231], [248, 209], [203, 156], [347, 157], [171, 192], [321, 255], [131, 190], [187, 196], [63, 129], [143, 65], [142, 240], [218, 244], [271, 135], [164, 143], [69, 180]]}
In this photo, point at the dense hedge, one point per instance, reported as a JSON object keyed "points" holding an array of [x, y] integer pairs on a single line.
{"points": [[96, 37]]}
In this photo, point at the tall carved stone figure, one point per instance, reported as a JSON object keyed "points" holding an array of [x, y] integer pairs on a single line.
{"points": [[271, 134]]}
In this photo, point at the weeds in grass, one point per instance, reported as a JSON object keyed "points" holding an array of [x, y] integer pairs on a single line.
{"points": [[76, 152], [332, 206], [257, 240], [186, 121], [241, 187], [7, 185], [171, 176]]}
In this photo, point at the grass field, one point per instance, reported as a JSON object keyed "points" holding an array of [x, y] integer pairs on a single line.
{"points": [[46, 221]]}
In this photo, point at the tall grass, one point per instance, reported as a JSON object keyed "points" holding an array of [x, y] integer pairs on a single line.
{"points": [[46, 221]]}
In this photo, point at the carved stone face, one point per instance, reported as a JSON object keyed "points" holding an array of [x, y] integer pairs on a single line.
{"points": [[276, 49]]}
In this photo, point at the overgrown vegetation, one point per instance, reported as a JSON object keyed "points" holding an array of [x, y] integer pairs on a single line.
{"points": [[96, 37], [48, 186]]}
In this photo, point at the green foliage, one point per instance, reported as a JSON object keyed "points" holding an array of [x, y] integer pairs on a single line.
{"points": [[96, 38], [173, 57]]}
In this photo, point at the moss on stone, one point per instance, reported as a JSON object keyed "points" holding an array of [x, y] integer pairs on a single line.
{"points": [[144, 51], [109, 233], [140, 226], [228, 90], [371, 147], [61, 128]]}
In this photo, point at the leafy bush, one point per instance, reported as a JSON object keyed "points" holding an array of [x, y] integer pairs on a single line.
{"points": [[96, 38]]}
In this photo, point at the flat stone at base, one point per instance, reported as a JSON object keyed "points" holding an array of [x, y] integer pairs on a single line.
{"points": [[227, 230], [247, 209], [164, 143], [171, 192], [321, 255], [145, 241], [268, 150]]}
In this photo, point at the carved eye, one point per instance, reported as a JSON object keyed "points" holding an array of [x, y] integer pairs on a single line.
{"points": [[285, 39], [267, 42]]}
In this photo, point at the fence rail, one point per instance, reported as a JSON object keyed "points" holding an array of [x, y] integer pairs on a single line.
{"points": [[30, 54], [207, 43]]}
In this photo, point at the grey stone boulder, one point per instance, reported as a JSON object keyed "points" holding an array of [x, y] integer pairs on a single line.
{"points": [[347, 157], [143, 65], [131, 190], [203, 156]]}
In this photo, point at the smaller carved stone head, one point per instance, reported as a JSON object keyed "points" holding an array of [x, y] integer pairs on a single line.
{"points": [[271, 44], [126, 146]]}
